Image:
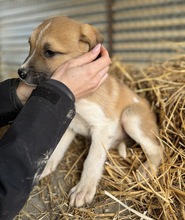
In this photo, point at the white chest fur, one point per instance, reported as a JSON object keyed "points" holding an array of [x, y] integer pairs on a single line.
{"points": [[80, 126], [90, 117]]}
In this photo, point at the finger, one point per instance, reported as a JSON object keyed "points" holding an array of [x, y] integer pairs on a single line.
{"points": [[104, 54], [104, 77], [87, 57], [101, 62], [102, 73]]}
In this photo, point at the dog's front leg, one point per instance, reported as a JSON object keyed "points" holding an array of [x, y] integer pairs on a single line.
{"points": [[85, 190], [58, 153]]}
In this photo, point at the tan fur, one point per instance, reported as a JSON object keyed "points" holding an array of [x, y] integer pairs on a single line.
{"points": [[108, 115]]}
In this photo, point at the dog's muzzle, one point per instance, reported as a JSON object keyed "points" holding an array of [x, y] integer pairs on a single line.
{"points": [[32, 77]]}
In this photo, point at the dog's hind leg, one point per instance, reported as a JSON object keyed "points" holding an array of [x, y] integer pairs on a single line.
{"points": [[139, 123], [58, 153]]}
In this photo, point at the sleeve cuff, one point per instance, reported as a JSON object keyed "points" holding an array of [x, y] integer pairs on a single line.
{"points": [[62, 87]]}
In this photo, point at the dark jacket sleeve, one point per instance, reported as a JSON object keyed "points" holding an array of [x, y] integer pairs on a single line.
{"points": [[33, 136], [10, 105]]}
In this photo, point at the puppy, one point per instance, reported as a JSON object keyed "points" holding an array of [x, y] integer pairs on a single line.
{"points": [[108, 115]]}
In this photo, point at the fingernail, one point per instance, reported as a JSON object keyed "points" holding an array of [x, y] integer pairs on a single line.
{"points": [[96, 48]]}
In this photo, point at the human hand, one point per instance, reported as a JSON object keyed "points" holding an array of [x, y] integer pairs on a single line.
{"points": [[83, 75], [24, 91]]}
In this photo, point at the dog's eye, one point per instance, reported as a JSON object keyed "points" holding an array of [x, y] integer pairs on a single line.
{"points": [[49, 53]]}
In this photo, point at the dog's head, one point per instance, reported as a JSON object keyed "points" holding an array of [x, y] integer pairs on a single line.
{"points": [[52, 43]]}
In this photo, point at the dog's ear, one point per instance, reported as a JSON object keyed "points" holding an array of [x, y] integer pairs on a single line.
{"points": [[90, 35]]}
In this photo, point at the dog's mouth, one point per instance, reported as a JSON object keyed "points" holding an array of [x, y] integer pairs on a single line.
{"points": [[33, 78]]}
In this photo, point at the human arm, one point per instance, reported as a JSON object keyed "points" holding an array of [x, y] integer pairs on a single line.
{"points": [[31, 139]]}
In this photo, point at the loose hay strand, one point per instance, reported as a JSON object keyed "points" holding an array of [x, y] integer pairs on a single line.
{"points": [[127, 207]]}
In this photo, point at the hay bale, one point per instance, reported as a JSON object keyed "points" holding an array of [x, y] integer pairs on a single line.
{"points": [[163, 197]]}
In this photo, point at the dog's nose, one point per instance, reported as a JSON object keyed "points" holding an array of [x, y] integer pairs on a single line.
{"points": [[22, 73]]}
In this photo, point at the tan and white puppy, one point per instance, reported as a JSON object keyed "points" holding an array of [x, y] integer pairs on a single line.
{"points": [[108, 115]]}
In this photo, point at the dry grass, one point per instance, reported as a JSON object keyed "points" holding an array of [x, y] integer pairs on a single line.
{"points": [[163, 197]]}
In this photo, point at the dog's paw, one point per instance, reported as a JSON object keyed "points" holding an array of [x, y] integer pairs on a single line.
{"points": [[145, 171], [122, 150], [82, 194]]}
